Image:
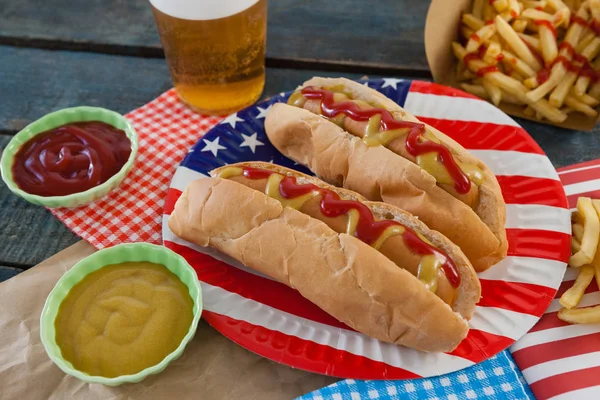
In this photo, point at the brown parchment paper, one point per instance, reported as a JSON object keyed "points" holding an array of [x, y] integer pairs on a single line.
{"points": [[211, 367], [441, 29]]}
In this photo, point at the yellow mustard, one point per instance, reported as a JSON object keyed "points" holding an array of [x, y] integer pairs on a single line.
{"points": [[123, 318]]}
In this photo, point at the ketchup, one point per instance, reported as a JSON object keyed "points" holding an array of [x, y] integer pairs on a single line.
{"points": [[567, 47], [415, 143], [578, 20], [70, 159], [589, 72], [368, 229], [542, 76], [547, 24], [476, 55], [475, 37], [595, 26], [567, 64], [486, 70]]}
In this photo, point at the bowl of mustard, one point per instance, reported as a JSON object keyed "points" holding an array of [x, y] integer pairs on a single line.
{"points": [[121, 314]]}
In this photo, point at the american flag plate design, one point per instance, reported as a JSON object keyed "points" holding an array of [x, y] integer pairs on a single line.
{"points": [[273, 320]]}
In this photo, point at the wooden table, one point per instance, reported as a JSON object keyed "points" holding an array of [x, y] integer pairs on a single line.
{"points": [[59, 53]]}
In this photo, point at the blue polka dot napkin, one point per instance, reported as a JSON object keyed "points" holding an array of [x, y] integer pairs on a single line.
{"points": [[496, 378]]}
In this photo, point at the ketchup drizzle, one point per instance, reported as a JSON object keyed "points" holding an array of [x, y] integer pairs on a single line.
{"points": [[415, 144], [595, 26], [487, 70], [542, 76], [578, 20], [367, 229], [547, 24], [567, 47]]}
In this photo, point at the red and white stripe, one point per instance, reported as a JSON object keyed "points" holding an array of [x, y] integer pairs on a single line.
{"points": [[275, 321], [559, 360]]}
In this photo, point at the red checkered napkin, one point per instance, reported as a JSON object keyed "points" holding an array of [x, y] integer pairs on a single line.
{"points": [[133, 213]]}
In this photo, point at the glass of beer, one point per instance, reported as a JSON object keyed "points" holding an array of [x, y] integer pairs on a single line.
{"points": [[215, 50]]}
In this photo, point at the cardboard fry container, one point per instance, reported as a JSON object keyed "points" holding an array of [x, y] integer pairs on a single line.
{"points": [[441, 29]]}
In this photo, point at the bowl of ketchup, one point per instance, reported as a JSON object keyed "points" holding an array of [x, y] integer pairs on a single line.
{"points": [[70, 157]]}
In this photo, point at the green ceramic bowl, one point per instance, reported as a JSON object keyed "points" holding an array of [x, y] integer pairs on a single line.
{"points": [[113, 255], [54, 120]]}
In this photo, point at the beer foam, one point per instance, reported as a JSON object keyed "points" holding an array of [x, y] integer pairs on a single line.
{"points": [[201, 10]]}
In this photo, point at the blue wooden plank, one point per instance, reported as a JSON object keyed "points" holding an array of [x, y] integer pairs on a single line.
{"points": [[384, 34], [8, 272]]}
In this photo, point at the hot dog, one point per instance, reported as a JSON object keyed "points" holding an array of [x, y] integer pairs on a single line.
{"points": [[353, 136], [371, 265]]}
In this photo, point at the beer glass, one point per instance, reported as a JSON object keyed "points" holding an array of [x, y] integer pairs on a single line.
{"points": [[215, 50]]}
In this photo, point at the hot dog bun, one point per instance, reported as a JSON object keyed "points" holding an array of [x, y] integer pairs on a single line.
{"points": [[381, 174], [344, 276]]}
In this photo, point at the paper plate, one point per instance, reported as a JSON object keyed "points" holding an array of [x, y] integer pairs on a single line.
{"points": [[272, 320]]}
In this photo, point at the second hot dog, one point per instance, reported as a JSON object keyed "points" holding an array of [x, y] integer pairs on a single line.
{"points": [[395, 233]]}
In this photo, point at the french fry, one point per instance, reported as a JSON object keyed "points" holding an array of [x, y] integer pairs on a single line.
{"points": [[578, 232], [576, 218], [573, 295], [516, 63], [531, 83], [466, 32], [592, 49], [528, 111], [557, 73], [536, 15], [534, 4], [531, 41], [595, 90], [492, 53], [509, 98], [519, 25], [586, 38], [583, 82], [500, 5], [591, 233], [597, 273], [585, 99], [548, 42], [520, 48], [514, 74], [488, 11], [472, 22], [479, 37], [588, 315], [476, 90], [514, 8], [559, 94], [507, 16], [575, 246], [562, 15], [557, 5], [494, 92], [594, 9]]}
